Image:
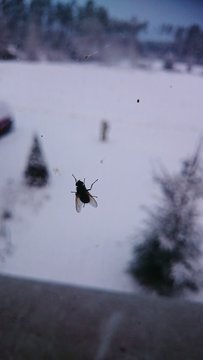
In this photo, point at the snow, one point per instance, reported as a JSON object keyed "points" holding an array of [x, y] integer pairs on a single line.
{"points": [[65, 104], [4, 110]]}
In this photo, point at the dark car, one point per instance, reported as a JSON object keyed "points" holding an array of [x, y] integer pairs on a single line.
{"points": [[6, 119], [6, 125]]}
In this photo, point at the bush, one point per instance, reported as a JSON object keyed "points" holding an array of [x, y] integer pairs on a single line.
{"points": [[167, 259]]}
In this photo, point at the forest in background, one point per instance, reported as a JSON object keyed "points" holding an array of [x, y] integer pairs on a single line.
{"points": [[56, 30]]}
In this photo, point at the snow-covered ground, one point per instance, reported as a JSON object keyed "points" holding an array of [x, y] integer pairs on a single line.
{"points": [[64, 105]]}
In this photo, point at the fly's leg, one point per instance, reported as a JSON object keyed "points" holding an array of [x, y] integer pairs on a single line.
{"points": [[74, 178], [92, 185]]}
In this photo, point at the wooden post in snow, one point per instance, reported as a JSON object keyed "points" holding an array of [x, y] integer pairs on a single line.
{"points": [[104, 130]]}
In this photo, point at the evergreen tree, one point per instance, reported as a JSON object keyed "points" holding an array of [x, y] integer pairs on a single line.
{"points": [[64, 14], [102, 16], [193, 46], [36, 173], [166, 260]]}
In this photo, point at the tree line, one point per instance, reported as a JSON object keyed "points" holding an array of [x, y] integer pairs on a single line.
{"points": [[56, 28], [187, 42]]}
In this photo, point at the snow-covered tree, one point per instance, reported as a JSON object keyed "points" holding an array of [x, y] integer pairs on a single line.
{"points": [[167, 258], [36, 172]]}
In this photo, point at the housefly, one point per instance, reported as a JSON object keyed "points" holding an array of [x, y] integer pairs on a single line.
{"points": [[82, 195]]}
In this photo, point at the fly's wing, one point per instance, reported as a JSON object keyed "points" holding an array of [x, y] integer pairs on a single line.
{"points": [[92, 201], [78, 204]]}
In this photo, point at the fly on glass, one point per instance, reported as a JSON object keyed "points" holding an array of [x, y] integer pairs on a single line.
{"points": [[82, 195]]}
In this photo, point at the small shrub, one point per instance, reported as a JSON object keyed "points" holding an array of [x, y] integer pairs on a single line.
{"points": [[166, 260], [36, 172]]}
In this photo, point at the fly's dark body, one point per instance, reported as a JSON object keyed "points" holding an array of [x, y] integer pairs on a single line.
{"points": [[82, 195], [82, 192]]}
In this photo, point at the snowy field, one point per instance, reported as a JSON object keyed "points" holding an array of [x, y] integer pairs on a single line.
{"points": [[64, 105]]}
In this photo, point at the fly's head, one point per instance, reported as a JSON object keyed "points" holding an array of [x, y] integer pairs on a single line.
{"points": [[79, 183]]}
